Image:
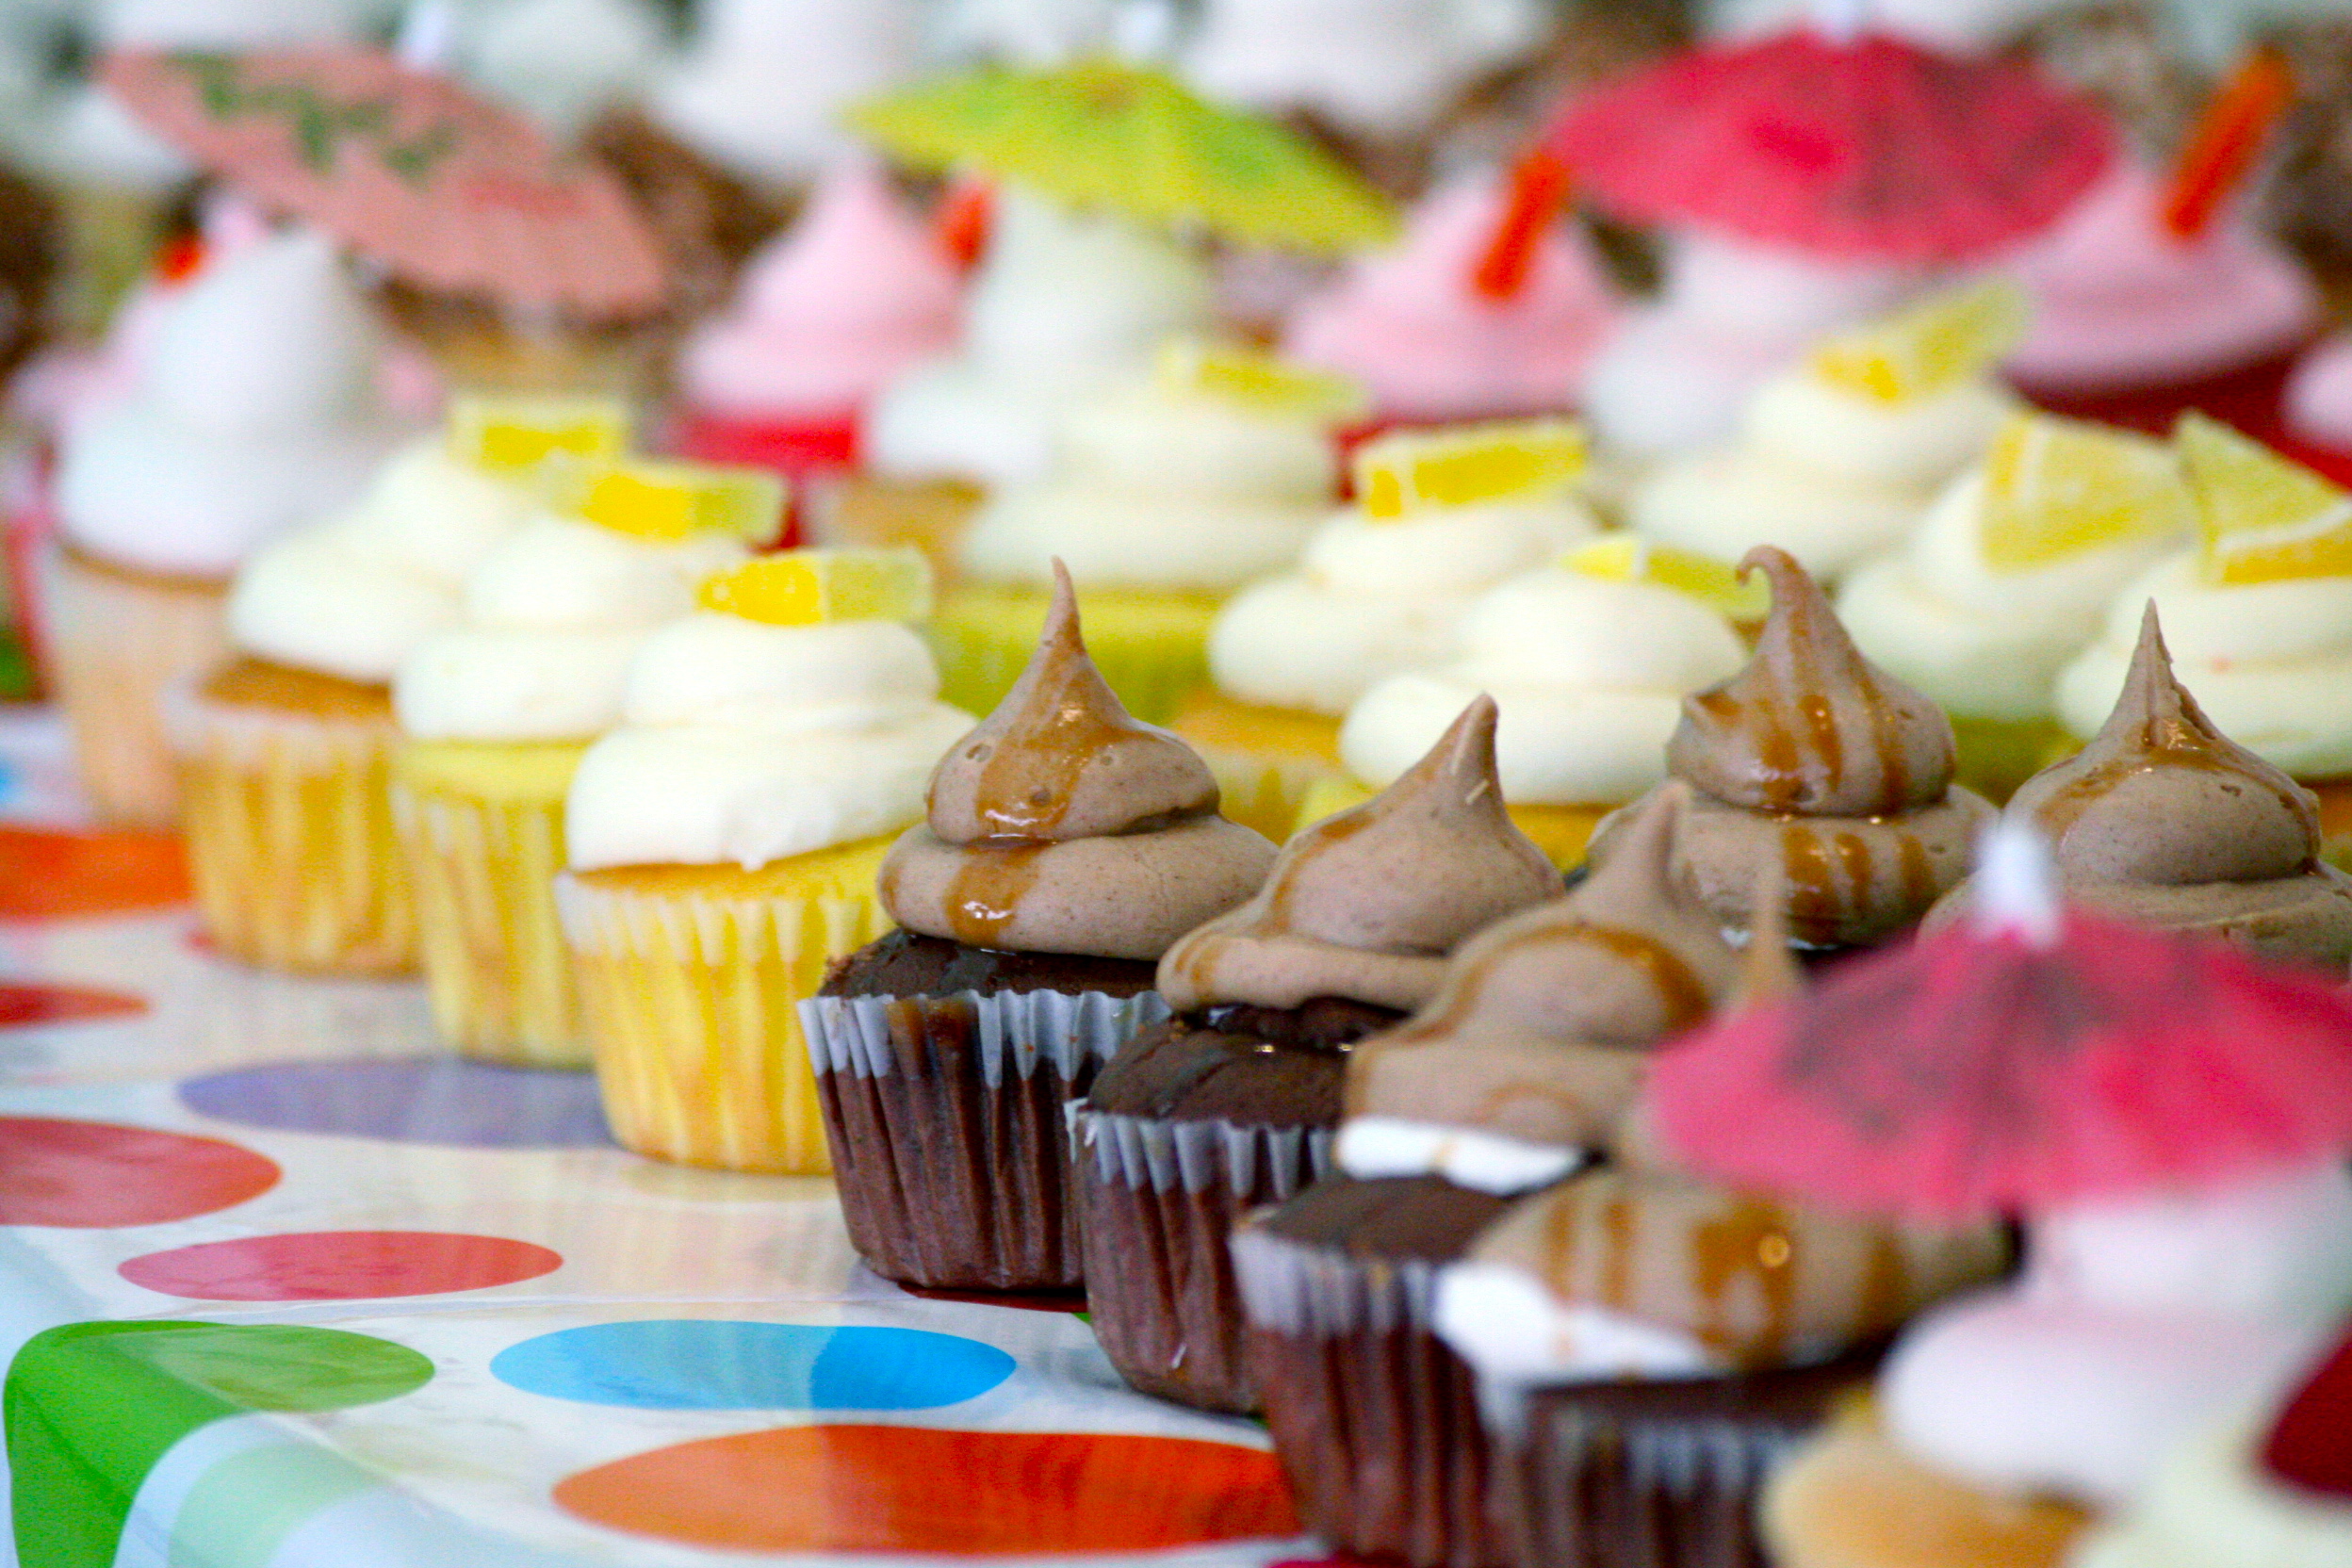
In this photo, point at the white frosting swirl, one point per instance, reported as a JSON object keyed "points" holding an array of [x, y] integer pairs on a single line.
{"points": [[1382, 68], [741, 744], [1828, 475], [352, 596], [1372, 599], [1589, 674], [2270, 663], [1163, 490], [551, 617], [1063, 302], [256, 408], [1984, 641]]}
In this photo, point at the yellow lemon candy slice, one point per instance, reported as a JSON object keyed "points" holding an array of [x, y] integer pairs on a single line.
{"points": [[1716, 584], [2057, 487], [2263, 518], [1259, 380], [1465, 465], [670, 501], [1943, 340], [513, 435], [807, 587]]}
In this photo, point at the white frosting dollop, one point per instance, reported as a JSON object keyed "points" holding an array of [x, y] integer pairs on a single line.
{"points": [[1369, 1146], [562, 61], [551, 619], [1160, 489], [1504, 1323], [1371, 599], [1063, 303], [741, 744], [1589, 674], [1981, 640], [2270, 663], [256, 408], [1826, 474], [352, 596]]}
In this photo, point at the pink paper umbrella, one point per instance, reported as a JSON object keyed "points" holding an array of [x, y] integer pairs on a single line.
{"points": [[1868, 147], [2009, 1065], [407, 168]]}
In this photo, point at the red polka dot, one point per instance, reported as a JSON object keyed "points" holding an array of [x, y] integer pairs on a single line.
{"points": [[53, 875], [912, 1489], [23, 1004], [340, 1266], [94, 1175]]}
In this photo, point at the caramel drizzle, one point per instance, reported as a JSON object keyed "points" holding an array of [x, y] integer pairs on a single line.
{"points": [[1826, 878]]}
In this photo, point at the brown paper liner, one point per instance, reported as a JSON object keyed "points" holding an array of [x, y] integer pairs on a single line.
{"points": [[117, 640], [290, 841], [1159, 1199], [948, 1120]]}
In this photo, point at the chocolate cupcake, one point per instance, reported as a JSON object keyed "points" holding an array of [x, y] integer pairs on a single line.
{"points": [[2164, 821], [1231, 1105], [1815, 764], [1066, 845], [1524, 1061]]}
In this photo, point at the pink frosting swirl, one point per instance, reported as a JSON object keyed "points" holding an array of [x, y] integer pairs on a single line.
{"points": [[1406, 322], [853, 293]]}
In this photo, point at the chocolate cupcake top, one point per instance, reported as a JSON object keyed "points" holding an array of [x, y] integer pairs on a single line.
{"points": [[1536, 1042], [2164, 821], [1367, 904], [1063, 824], [1816, 762]]}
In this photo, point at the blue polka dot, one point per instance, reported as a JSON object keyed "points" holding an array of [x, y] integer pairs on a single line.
{"points": [[429, 1100], [697, 1363]]}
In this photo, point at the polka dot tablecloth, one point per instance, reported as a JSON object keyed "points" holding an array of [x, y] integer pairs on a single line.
{"points": [[284, 1286]]}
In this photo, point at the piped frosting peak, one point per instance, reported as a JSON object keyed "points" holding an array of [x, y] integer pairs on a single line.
{"points": [[1367, 904], [2161, 797], [1809, 727]]}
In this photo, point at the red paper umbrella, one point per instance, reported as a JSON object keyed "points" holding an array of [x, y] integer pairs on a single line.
{"points": [[438, 186], [2012, 1063], [1869, 148]]}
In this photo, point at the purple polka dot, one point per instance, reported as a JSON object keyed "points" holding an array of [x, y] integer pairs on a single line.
{"points": [[435, 1100]]}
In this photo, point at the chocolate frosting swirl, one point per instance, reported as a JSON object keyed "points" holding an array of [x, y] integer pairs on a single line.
{"points": [[1367, 904], [1540, 1030], [1064, 824], [1809, 727]]}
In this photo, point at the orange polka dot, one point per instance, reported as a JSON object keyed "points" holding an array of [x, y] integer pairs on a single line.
{"points": [[914, 1489], [53, 875]]}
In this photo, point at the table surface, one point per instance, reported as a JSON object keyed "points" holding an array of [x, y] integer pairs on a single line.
{"points": [[282, 1286]]}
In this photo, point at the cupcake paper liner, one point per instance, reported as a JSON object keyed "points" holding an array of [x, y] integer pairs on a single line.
{"points": [[1375, 1419], [290, 839], [1151, 649], [691, 1001], [1159, 1199], [949, 1132], [117, 642], [496, 966]]}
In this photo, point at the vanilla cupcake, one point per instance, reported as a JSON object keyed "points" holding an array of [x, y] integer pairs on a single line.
{"points": [[495, 710], [725, 841], [255, 409], [1377, 590], [1836, 459]]}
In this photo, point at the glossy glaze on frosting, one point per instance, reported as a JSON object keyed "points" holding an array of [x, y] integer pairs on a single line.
{"points": [[1063, 824], [1367, 904]]}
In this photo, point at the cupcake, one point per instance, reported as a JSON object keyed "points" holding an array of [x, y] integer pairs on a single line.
{"points": [[1169, 494], [286, 752], [1232, 1102], [1500, 1085], [724, 842], [824, 314], [1066, 847], [1409, 324], [1589, 659], [1814, 765], [1380, 588], [256, 408], [495, 710], [2006, 579], [1838, 458], [2164, 821], [2257, 615]]}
